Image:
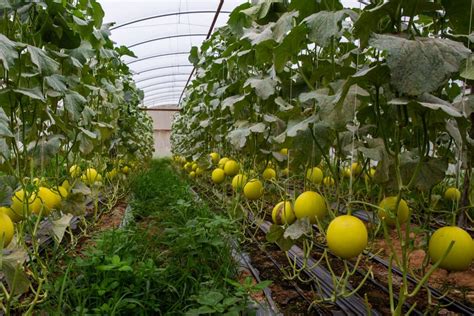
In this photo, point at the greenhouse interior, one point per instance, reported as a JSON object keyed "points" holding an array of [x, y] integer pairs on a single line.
{"points": [[233, 157]]}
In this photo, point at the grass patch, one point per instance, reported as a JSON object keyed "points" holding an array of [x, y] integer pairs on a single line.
{"points": [[174, 259]]}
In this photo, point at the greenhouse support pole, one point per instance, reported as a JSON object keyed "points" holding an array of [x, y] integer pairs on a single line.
{"points": [[218, 11]]}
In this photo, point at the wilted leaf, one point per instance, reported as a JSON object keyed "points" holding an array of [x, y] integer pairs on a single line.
{"points": [[12, 267], [299, 228], [59, 226]]}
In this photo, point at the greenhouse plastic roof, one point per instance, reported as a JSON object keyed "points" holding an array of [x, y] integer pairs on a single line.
{"points": [[161, 34]]}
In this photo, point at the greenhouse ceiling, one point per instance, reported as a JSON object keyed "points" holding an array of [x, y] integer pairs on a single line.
{"points": [[161, 34]]}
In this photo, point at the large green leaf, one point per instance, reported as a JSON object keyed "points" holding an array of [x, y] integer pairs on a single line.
{"points": [[194, 56], [73, 103], [428, 101], [232, 101], [468, 68], [40, 58], [283, 25], [56, 82], [4, 125], [238, 20], [326, 24], [264, 88], [34, 93], [421, 65], [260, 10], [459, 14], [7, 185], [289, 47], [8, 52], [432, 170], [238, 137], [258, 34], [45, 149]]}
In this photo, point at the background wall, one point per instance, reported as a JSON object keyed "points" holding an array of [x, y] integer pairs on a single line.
{"points": [[162, 118]]}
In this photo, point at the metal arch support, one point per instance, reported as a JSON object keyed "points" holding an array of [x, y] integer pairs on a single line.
{"points": [[170, 93], [164, 67], [160, 100], [166, 37], [164, 16], [156, 56], [155, 83], [211, 28], [173, 96], [164, 88], [162, 96], [167, 84], [158, 91], [168, 81], [160, 85], [162, 76]]}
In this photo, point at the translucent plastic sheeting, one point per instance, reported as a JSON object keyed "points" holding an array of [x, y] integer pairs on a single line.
{"points": [[162, 44]]}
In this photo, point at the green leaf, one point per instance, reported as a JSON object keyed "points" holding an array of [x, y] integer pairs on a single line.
{"points": [[97, 13], [88, 133], [284, 25], [210, 298], [194, 56], [86, 146], [468, 71], [4, 125], [232, 101], [73, 103], [238, 136], [44, 63], [458, 15], [56, 82], [264, 88], [5, 4], [276, 232], [7, 185], [374, 149], [432, 171], [431, 102], [326, 24], [201, 310], [258, 34], [377, 75], [260, 10], [421, 65], [296, 126], [45, 149], [8, 52], [34, 93], [238, 20], [289, 47], [83, 52]]}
